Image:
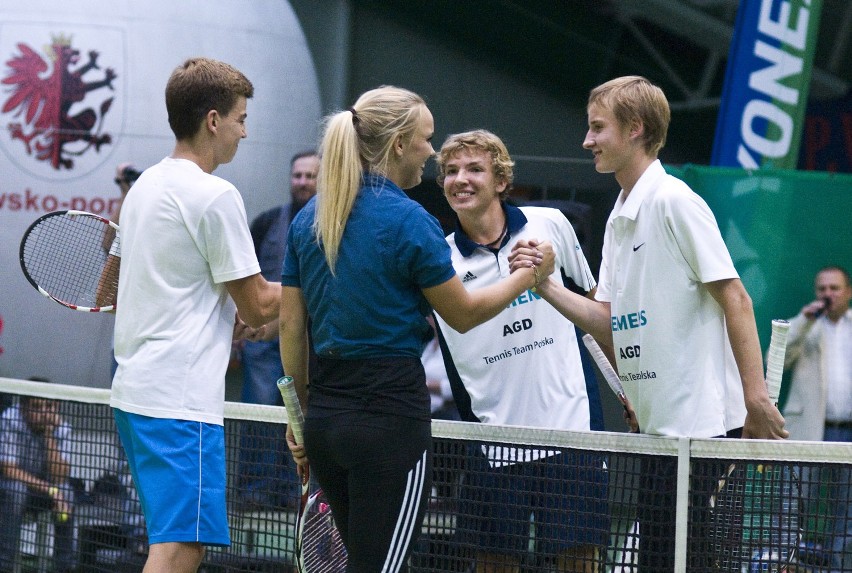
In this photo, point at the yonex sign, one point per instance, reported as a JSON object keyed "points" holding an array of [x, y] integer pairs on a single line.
{"points": [[766, 84]]}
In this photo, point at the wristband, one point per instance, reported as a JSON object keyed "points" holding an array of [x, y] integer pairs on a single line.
{"points": [[537, 279], [53, 491]]}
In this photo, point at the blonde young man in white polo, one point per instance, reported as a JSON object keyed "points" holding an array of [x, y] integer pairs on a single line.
{"points": [[670, 304]]}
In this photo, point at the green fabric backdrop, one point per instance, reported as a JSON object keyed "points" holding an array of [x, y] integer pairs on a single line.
{"points": [[781, 227]]}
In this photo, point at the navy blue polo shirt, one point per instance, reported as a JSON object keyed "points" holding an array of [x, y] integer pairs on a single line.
{"points": [[373, 305]]}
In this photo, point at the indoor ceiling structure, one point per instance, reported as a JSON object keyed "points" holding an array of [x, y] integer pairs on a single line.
{"points": [[568, 46]]}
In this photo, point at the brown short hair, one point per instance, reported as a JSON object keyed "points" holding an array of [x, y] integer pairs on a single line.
{"points": [[198, 86]]}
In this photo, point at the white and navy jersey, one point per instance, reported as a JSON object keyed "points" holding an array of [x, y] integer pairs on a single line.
{"points": [[523, 366], [670, 339]]}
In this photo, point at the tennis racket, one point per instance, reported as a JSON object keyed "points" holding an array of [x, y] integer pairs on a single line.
{"points": [[754, 512], [319, 547], [63, 257], [626, 540], [609, 373]]}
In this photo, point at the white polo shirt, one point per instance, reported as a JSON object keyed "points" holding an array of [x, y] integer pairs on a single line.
{"points": [[523, 366], [670, 340]]}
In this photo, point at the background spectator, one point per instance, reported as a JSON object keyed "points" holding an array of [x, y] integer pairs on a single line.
{"points": [[34, 475]]}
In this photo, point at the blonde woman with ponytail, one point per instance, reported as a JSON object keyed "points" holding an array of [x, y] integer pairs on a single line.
{"points": [[366, 263]]}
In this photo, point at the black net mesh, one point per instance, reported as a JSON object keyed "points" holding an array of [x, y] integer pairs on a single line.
{"points": [[538, 500]]}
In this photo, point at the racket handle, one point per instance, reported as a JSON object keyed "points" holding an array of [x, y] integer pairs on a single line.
{"points": [[775, 358], [606, 368], [294, 409]]}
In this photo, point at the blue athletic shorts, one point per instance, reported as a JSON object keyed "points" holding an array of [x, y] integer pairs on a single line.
{"points": [[559, 501], [178, 467]]}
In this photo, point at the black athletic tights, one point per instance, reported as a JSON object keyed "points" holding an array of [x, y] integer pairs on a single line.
{"points": [[376, 472]]}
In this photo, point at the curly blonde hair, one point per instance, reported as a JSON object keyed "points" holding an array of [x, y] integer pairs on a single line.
{"points": [[483, 140]]}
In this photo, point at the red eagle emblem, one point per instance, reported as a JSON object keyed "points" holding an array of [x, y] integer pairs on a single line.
{"points": [[45, 102]]}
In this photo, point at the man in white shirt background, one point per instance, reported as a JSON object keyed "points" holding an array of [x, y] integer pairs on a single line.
{"points": [[819, 404]]}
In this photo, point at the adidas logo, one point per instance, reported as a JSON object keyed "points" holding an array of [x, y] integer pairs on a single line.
{"points": [[468, 276]]}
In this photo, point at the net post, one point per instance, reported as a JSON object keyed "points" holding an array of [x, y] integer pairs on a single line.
{"points": [[682, 506]]}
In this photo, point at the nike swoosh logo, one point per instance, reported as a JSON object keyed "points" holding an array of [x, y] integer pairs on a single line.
{"points": [[637, 247]]}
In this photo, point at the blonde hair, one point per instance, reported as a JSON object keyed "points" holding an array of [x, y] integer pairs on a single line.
{"points": [[356, 140], [483, 140], [633, 99]]}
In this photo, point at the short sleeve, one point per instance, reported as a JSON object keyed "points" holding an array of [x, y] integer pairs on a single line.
{"points": [[604, 291], [573, 263], [63, 439], [290, 273], [423, 252], [225, 240], [697, 235]]}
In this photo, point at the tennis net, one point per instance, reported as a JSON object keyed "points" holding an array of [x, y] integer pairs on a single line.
{"points": [[501, 496]]}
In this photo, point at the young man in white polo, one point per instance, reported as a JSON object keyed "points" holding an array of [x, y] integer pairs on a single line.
{"points": [[669, 304]]}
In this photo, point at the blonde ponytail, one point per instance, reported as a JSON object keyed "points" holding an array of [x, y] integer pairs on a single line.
{"points": [[356, 140]]}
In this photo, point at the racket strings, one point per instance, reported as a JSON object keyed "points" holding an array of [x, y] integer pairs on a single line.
{"points": [[755, 517], [64, 256], [322, 549], [726, 522]]}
